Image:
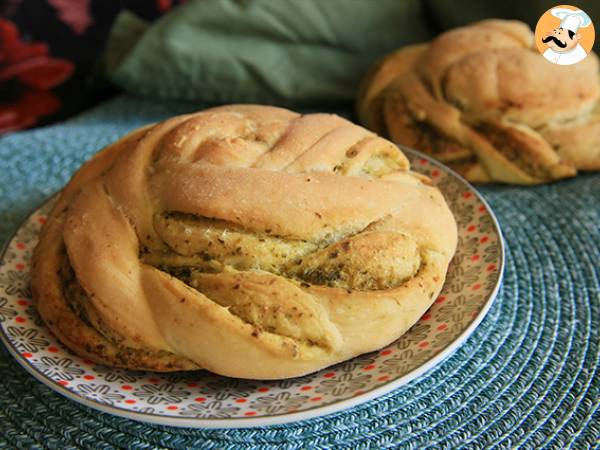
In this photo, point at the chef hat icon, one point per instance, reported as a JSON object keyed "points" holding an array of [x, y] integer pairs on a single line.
{"points": [[571, 19]]}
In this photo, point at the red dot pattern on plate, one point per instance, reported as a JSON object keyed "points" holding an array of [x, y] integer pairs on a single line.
{"points": [[474, 225]]}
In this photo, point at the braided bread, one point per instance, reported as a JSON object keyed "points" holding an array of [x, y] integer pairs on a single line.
{"points": [[247, 240], [483, 101]]}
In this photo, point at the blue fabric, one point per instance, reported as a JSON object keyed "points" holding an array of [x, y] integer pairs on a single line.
{"points": [[527, 378]]}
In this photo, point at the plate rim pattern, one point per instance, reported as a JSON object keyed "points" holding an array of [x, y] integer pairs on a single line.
{"points": [[286, 417]]}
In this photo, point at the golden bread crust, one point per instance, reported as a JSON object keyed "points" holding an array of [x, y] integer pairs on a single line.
{"points": [[542, 118], [247, 240]]}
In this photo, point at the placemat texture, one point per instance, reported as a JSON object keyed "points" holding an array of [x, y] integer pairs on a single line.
{"points": [[527, 378]]}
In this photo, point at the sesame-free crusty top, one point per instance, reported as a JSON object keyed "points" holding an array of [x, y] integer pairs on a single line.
{"points": [[247, 240], [481, 99]]}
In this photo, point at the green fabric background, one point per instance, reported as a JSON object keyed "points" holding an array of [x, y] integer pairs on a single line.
{"points": [[287, 52], [261, 51]]}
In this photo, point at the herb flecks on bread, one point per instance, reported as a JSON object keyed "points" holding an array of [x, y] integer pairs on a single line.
{"points": [[481, 99], [247, 240]]}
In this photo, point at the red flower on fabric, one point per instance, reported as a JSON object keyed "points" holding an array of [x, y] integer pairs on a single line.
{"points": [[27, 73], [74, 13], [164, 5]]}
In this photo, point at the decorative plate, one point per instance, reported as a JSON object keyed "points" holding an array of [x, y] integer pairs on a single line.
{"points": [[202, 399]]}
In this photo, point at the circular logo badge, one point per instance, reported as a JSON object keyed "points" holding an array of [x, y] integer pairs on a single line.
{"points": [[564, 35]]}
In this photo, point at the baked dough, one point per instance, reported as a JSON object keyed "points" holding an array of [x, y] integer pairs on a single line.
{"points": [[247, 240], [482, 100]]}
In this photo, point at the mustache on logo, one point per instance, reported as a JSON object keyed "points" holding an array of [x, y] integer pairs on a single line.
{"points": [[556, 41]]}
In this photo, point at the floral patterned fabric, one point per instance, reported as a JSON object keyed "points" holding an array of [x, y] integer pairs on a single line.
{"points": [[67, 38], [49, 52]]}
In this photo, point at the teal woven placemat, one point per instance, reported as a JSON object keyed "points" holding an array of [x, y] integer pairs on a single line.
{"points": [[527, 378]]}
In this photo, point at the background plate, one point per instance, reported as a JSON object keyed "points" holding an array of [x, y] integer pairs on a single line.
{"points": [[202, 399]]}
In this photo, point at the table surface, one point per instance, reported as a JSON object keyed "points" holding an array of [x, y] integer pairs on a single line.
{"points": [[526, 378]]}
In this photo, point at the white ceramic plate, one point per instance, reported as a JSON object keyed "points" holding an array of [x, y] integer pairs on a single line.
{"points": [[202, 399]]}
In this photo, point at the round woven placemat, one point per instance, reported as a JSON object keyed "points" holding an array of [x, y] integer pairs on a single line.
{"points": [[527, 378]]}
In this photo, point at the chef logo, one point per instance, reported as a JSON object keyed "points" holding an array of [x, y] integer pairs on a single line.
{"points": [[564, 35]]}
